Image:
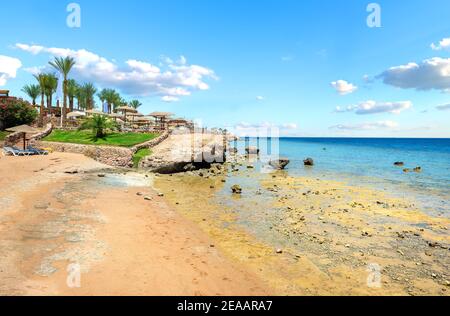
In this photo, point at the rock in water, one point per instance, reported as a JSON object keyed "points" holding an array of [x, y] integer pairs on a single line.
{"points": [[236, 189], [399, 163], [279, 164], [233, 150], [251, 150], [418, 169], [308, 162]]}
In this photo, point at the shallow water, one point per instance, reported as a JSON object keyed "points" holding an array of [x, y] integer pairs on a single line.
{"points": [[370, 162]]}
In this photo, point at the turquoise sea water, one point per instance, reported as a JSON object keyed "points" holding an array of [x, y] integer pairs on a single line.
{"points": [[370, 162]]}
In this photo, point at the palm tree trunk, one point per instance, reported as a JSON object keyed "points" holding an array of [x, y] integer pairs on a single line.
{"points": [[71, 104], [41, 114], [64, 101]]}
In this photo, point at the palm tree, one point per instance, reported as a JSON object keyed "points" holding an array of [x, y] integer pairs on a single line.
{"points": [[63, 65], [81, 100], [118, 102], [41, 78], [102, 96], [32, 91], [72, 87], [98, 124], [110, 96], [135, 104], [89, 93], [51, 85]]}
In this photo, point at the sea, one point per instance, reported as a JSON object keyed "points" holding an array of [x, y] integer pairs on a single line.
{"points": [[370, 162]]}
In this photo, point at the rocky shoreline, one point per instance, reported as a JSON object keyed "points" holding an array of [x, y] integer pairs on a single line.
{"points": [[309, 236]]}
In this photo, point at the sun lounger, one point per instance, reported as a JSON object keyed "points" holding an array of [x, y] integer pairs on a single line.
{"points": [[26, 152], [14, 151], [37, 151]]}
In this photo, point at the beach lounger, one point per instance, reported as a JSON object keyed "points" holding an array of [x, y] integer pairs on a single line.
{"points": [[14, 151], [37, 151], [25, 152]]}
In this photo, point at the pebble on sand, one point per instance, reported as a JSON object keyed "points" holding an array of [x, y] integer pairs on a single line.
{"points": [[236, 189]]}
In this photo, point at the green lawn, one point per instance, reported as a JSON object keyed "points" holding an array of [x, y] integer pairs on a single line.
{"points": [[112, 139], [3, 135], [141, 153]]}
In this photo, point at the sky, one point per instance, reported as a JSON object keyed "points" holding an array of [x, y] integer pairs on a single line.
{"points": [[310, 68]]}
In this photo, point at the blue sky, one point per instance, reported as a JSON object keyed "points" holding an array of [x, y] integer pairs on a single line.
{"points": [[251, 63]]}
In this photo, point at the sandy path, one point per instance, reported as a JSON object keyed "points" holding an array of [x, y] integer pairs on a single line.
{"points": [[123, 243]]}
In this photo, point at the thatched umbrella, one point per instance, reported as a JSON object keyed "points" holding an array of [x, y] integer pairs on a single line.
{"points": [[137, 114], [95, 112], [144, 120], [75, 114], [161, 118], [116, 116], [23, 129], [125, 110]]}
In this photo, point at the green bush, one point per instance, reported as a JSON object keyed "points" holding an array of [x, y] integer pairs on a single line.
{"points": [[15, 112]]}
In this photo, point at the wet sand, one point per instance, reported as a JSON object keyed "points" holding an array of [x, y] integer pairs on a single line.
{"points": [[308, 236], [126, 240]]}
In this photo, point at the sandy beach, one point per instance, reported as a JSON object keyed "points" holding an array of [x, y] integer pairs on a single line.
{"points": [[131, 232], [126, 240]]}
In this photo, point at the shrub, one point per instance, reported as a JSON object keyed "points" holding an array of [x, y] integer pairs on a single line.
{"points": [[98, 124], [15, 112]]}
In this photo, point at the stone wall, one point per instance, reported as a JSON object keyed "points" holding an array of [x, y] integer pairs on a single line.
{"points": [[14, 138], [47, 131], [153, 142], [112, 156]]}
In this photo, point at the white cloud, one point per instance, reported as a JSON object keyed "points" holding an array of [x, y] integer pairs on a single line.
{"points": [[263, 129], [246, 125], [444, 44], [433, 73], [443, 107], [260, 98], [138, 78], [367, 126], [33, 49], [373, 107], [168, 98], [8, 68], [343, 87]]}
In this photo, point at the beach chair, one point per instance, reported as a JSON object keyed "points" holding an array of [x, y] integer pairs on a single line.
{"points": [[37, 151], [10, 151], [24, 152]]}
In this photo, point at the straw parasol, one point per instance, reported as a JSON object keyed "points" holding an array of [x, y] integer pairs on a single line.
{"points": [[137, 114], [75, 114], [116, 116], [161, 118], [95, 112], [126, 109], [23, 129]]}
